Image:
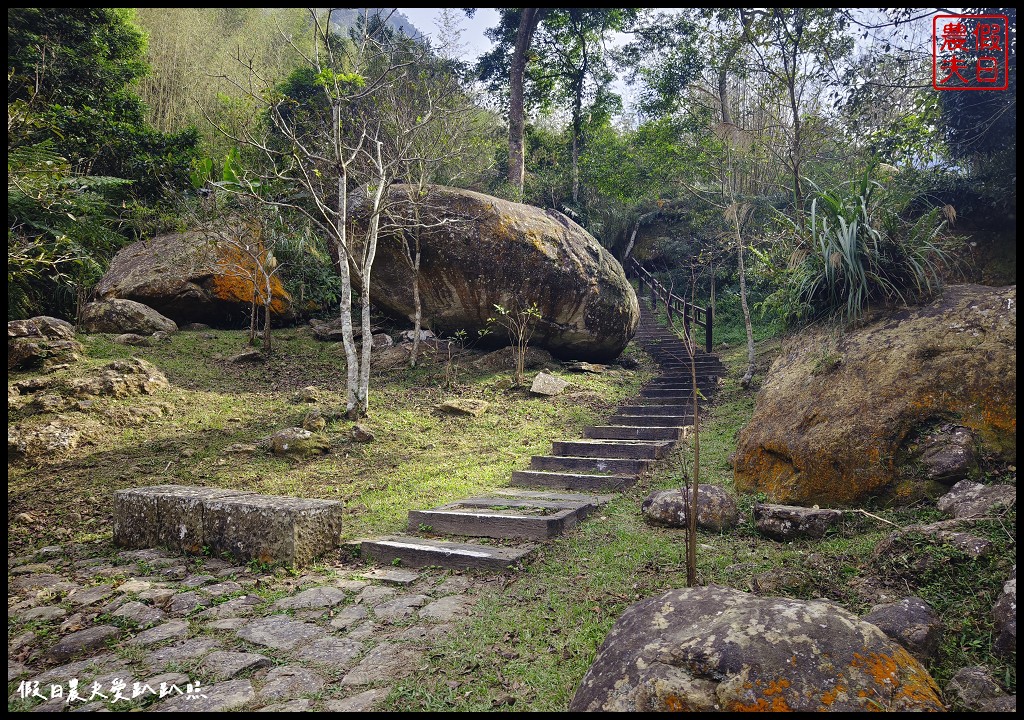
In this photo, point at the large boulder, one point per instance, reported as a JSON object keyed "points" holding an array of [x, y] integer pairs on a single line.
{"points": [[836, 420], [718, 649], [114, 315], [189, 277], [479, 251]]}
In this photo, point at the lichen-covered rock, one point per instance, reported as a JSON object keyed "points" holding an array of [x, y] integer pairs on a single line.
{"points": [[489, 251], [789, 522], [41, 326], [1005, 614], [120, 378], [948, 454], [56, 439], [719, 649], [133, 339], [188, 277], [464, 406], [546, 384], [838, 437], [124, 316], [974, 689], [716, 509], [969, 499], [911, 623], [297, 441], [24, 353]]}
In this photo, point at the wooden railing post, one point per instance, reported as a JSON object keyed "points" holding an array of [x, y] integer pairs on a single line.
{"points": [[708, 325]]}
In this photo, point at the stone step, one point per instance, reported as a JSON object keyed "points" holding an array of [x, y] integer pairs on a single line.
{"points": [[625, 432], [419, 552], [654, 410], [652, 420], [683, 398], [502, 517], [572, 481], [591, 465], [595, 499], [668, 392], [636, 449]]}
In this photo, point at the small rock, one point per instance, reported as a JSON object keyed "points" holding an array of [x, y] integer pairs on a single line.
{"points": [[385, 662], [361, 702], [401, 608], [788, 522], [974, 689], [545, 384], [279, 632], [585, 367], [297, 441], [393, 576], [249, 356], [173, 629], [338, 653], [318, 597], [139, 614], [348, 616], [290, 680], [132, 339], [716, 508], [218, 697], [912, 623], [314, 421], [362, 434], [82, 641], [308, 394], [1005, 614], [464, 406], [46, 613], [224, 665], [447, 608], [300, 705], [969, 499], [381, 341]]}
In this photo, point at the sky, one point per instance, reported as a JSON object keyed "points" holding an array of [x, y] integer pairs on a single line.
{"points": [[476, 43]]}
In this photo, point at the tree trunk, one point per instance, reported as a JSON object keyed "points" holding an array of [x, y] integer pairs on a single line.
{"points": [[516, 111], [252, 316], [417, 304], [267, 299], [369, 252], [749, 375]]}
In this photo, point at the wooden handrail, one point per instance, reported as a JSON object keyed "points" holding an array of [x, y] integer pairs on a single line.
{"points": [[691, 312]]}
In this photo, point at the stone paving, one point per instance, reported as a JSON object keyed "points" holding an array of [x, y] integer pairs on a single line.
{"points": [[334, 637]]}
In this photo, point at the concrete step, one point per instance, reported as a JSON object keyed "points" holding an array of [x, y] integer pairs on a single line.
{"points": [[595, 499], [625, 432], [419, 552], [572, 481], [683, 398], [668, 392], [635, 449], [591, 465], [504, 516], [652, 420]]}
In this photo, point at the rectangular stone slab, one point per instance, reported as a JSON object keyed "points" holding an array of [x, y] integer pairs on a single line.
{"points": [[163, 516], [188, 519], [272, 529]]}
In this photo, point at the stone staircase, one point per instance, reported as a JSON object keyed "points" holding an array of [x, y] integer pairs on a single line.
{"points": [[559, 490]]}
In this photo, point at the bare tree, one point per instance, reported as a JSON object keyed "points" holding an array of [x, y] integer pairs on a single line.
{"points": [[332, 155]]}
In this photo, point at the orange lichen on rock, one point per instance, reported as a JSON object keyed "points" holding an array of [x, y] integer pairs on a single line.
{"points": [[233, 281], [905, 675]]}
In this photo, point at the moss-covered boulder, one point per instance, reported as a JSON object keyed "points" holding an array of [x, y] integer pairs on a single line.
{"points": [[480, 251], [188, 277], [837, 421], [718, 649]]}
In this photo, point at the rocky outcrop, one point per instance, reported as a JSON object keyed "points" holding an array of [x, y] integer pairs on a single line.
{"points": [[39, 340], [188, 277], [1005, 614], [840, 432], [717, 649], [124, 316], [969, 499], [480, 251]]}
